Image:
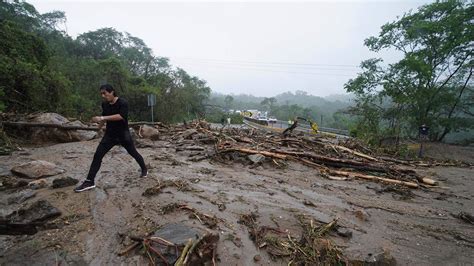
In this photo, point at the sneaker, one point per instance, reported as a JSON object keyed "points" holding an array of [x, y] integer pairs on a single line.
{"points": [[86, 185], [144, 173]]}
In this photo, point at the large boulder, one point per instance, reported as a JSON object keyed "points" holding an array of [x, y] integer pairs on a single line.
{"points": [[64, 182], [149, 132], [21, 196], [39, 211], [36, 169], [80, 135], [45, 134]]}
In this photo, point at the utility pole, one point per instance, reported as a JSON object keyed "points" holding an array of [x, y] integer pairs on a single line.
{"points": [[151, 103]]}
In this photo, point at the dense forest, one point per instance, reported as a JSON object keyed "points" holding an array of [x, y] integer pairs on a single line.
{"points": [[44, 69]]}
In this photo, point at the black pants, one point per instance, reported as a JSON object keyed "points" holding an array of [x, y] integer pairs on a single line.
{"points": [[109, 141]]}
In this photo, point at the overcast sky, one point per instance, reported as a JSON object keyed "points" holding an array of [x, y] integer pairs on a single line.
{"points": [[262, 48]]}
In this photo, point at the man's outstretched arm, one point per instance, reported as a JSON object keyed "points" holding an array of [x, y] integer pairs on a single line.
{"points": [[103, 119]]}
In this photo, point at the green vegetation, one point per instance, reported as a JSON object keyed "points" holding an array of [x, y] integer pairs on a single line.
{"points": [[44, 69], [430, 85]]}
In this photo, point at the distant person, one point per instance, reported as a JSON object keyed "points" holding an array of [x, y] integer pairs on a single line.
{"points": [[423, 132], [115, 116], [228, 120]]}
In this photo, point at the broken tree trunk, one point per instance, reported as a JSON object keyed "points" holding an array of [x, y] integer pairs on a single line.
{"points": [[356, 153], [371, 177], [250, 151], [28, 124], [335, 162]]}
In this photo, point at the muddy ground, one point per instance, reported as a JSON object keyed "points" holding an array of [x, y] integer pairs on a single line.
{"points": [[414, 226]]}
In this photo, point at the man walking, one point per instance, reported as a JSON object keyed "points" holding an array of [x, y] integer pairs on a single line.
{"points": [[115, 116]]}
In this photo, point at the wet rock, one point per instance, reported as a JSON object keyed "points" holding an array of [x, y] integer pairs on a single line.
{"points": [[344, 232], [21, 196], [149, 132], [361, 215], [466, 217], [309, 203], [39, 211], [257, 258], [381, 259], [40, 134], [25, 256], [38, 184], [4, 171], [79, 135], [256, 158], [178, 234], [37, 169], [9, 182], [221, 206], [64, 182]]}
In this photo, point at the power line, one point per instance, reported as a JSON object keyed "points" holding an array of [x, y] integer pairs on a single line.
{"points": [[279, 71], [268, 66], [265, 63]]}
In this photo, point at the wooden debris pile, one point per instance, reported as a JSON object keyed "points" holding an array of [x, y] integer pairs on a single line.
{"points": [[312, 247], [160, 251], [332, 158]]}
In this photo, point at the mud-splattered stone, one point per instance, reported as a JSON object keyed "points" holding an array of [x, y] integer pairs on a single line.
{"points": [[39, 211], [178, 234], [41, 134], [21, 196], [149, 132], [64, 182], [257, 258], [382, 259], [256, 158], [38, 184], [8, 182], [25, 256], [37, 169], [344, 232], [361, 215]]}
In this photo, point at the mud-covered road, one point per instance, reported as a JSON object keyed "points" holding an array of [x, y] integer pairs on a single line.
{"points": [[413, 226]]}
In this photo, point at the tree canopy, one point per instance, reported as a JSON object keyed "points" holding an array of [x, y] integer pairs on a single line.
{"points": [[431, 84], [44, 69]]}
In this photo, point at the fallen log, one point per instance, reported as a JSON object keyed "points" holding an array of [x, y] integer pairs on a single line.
{"points": [[371, 177], [328, 161], [356, 153], [65, 127], [335, 162], [428, 181], [27, 124], [250, 151]]}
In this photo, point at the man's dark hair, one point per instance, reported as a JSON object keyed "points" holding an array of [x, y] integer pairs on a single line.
{"points": [[108, 88]]}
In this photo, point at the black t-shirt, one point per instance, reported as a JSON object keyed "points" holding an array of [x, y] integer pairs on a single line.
{"points": [[119, 107]]}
